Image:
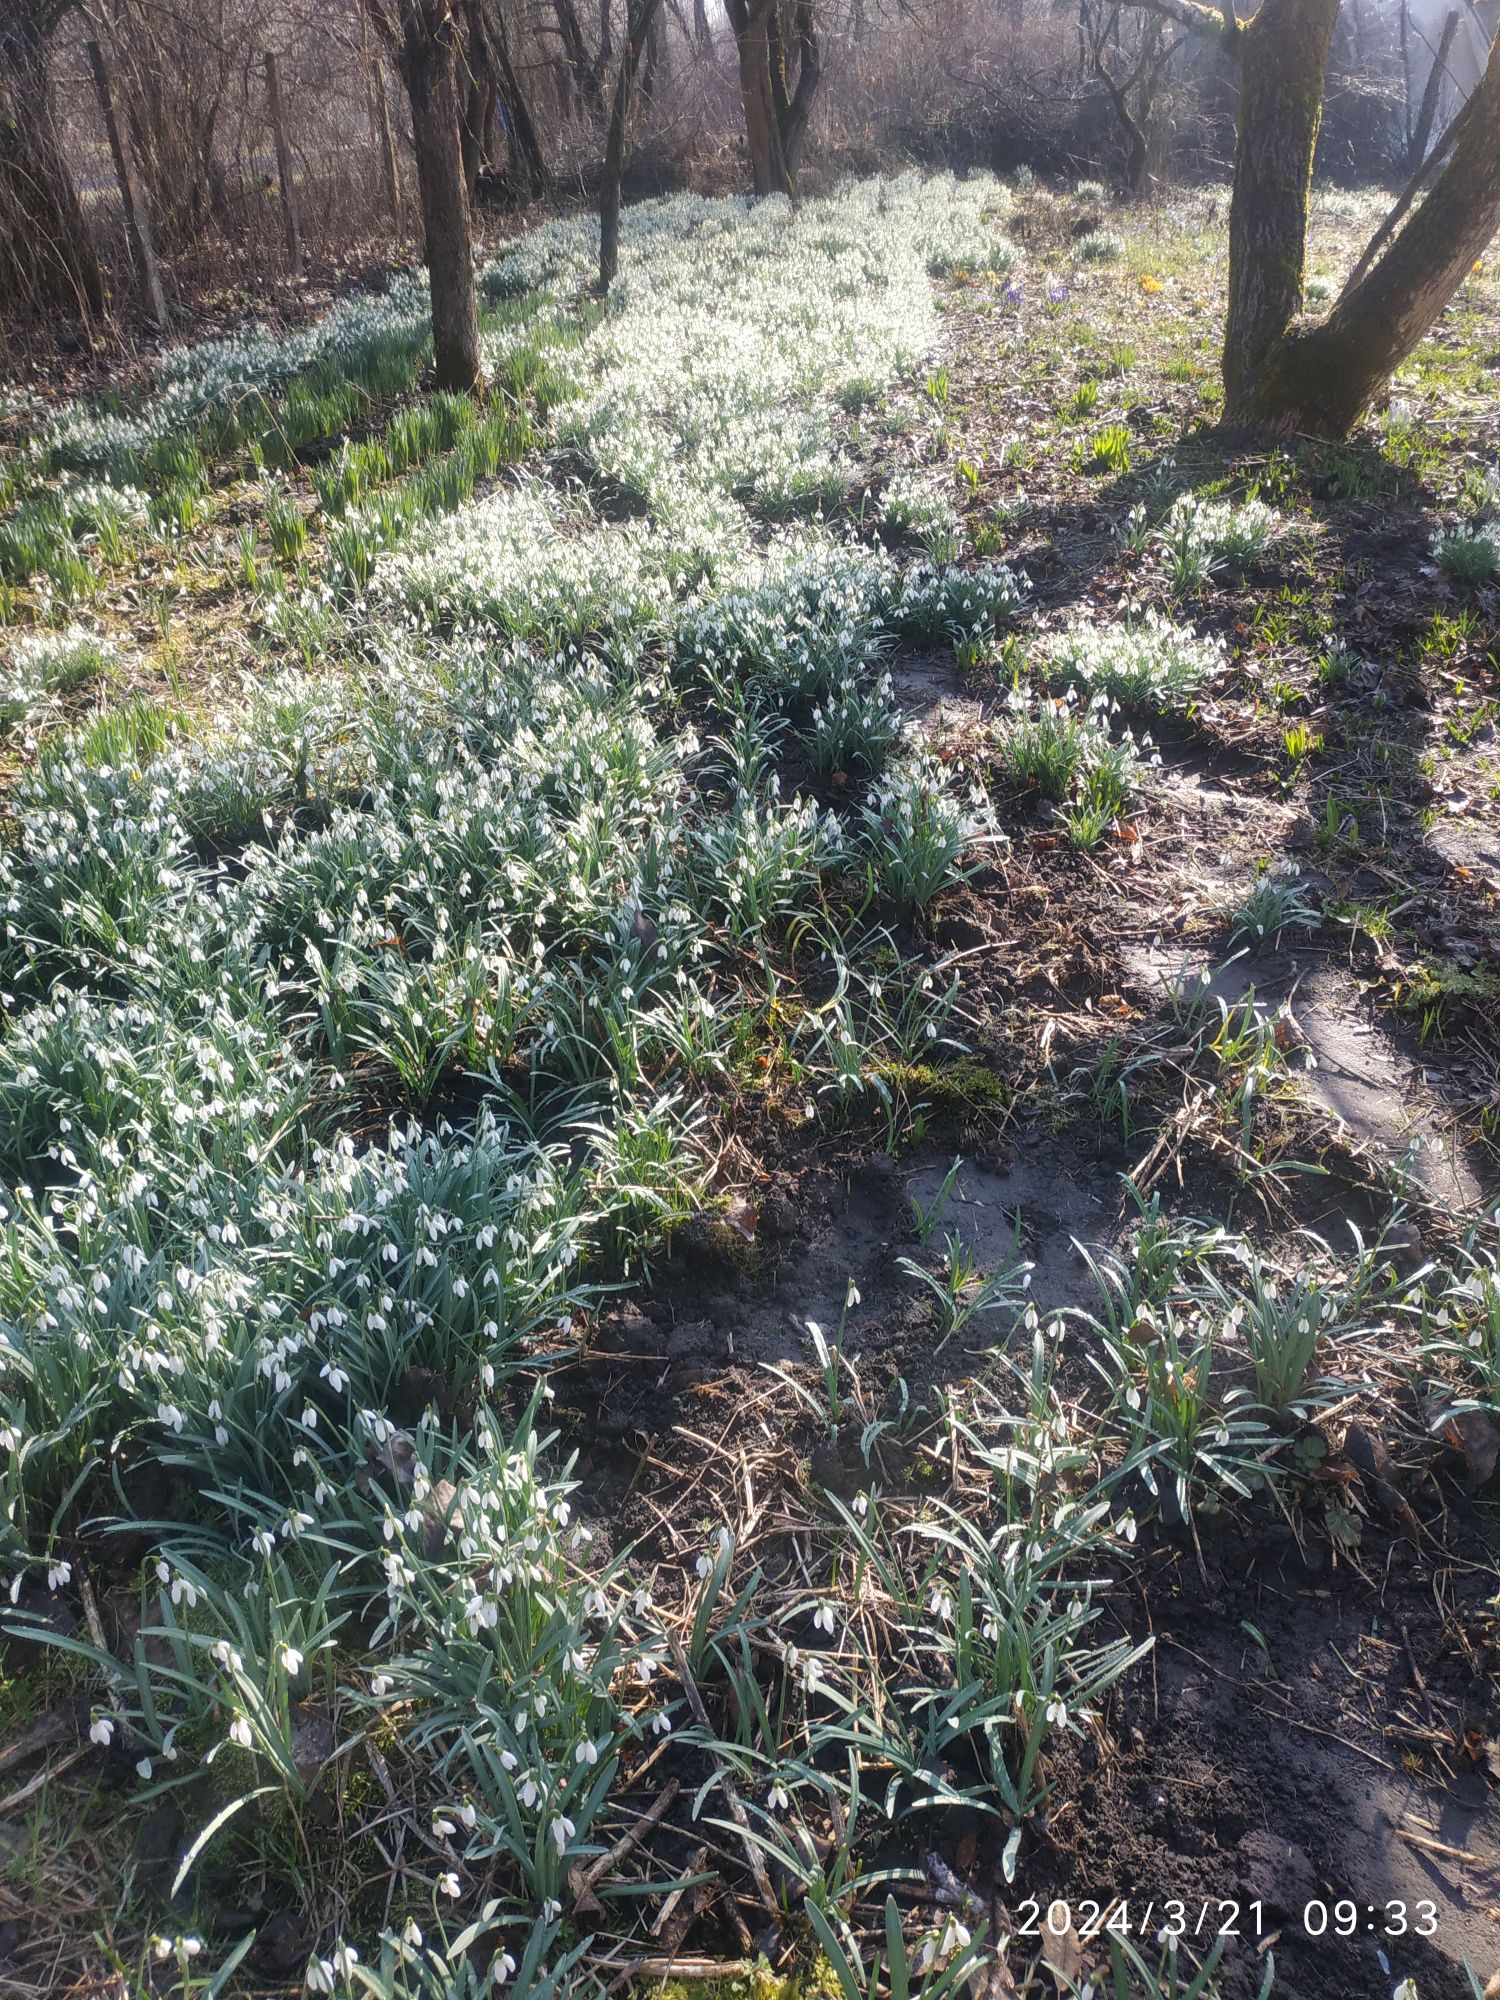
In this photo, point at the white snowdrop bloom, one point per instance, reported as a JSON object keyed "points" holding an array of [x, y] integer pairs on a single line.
{"points": [[143, 1767], [58, 1574], [450, 1885], [940, 1603], [562, 1831], [778, 1798], [102, 1729], [586, 1753], [319, 1975], [239, 1733], [291, 1660], [503, 1968], [345, 1958]]}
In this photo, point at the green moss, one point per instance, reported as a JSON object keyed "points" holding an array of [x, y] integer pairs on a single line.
{"points": [[815, 1982], [966, 1094]]}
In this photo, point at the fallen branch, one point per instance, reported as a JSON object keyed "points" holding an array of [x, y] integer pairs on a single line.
{"points": [[682, 1968], [583, 1882], [726, 1782], [1441, 1847]]}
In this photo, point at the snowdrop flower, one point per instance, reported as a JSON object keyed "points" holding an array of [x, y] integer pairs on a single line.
{"points": [[101, 1730], [503, 1968], [938, 1947], [940, 1603], [586, 1753], [319, 1975], [823, 1619], [778, 1798], [450, 1885], [239, 1732], [563, 1831]]}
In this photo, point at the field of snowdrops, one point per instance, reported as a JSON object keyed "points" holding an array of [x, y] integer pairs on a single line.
{"points": [[680, 851]]}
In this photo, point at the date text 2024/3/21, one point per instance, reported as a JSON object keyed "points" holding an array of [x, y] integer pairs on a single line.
{"points": [[1174, 1918]]}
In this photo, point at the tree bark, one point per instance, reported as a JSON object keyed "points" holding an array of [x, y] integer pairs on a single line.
{"points": [[588, 76], [44, 238], [1283, 56], [423, 40], [284, 167], [794, 110], [389, 162], [1320, 381], [520, 127], [751, 21], [1432, 96], [137, 221], [637, 31]]}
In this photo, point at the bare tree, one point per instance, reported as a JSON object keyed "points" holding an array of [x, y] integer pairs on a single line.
{"points": [[45, 250], [512, 105], [423, 37], [638, 27], [1281, 374], [1133, 92], [774, 40]]}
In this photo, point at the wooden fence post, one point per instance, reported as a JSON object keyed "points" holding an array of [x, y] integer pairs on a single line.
{"points": [[284, 168], [137, 221]]}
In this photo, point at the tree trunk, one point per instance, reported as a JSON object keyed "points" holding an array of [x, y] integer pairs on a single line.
{"points": [[44, 237], [792, 113], [284, 167], [391, 165], [587, 75], [429, 70], [637, 31], [1322, 380], [479, 99], [1432, 96], [1283, 63], [137, 221], [751, 20], [520, 128]]}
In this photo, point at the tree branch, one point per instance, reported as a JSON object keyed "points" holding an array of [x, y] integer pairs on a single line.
{"points": [[1214, 24]]}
